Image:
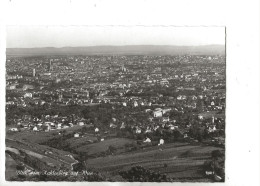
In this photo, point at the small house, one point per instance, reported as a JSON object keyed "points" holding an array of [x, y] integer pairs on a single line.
{"points": [[81, 123], [138, 131], [96, 130], [147, 140], [157, 114], [35, 128], [161, 142], [13, 129]]}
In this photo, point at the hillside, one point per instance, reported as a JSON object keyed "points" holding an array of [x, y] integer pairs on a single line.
{"points": [[180, 161], [120, 50]]}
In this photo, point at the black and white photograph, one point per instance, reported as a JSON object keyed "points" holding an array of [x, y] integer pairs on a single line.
{"points": [[129, 92], [116, 104]]}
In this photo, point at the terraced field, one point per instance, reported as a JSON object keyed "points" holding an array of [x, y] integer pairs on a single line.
{"points": [[180, 162]]}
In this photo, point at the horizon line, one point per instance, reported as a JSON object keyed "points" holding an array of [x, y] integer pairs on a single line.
{"points": [[115, 46]]}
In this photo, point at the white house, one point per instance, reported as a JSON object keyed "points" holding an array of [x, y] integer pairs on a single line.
{"points": [[138, 131], [157, 114], [81, 123], [147, 140], [161, 142], [181, 97], [114, 119], [13, 129], [135, 104], [76, 135], [59, 126], [35, 128], [209, 172], [112, 125], [27, 95], [171, 127], [96, 130], [213, 119]]}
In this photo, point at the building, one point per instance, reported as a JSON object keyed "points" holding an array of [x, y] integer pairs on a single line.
{"points": [[147, 140], [157, 113], [50, 65], [13, 129], [28, 95], [161, 142], [96, 130], [123, 69], [34, 72], [28, 87]]}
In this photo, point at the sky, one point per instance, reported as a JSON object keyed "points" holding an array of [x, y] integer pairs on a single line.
{"points": [[73, 36]]}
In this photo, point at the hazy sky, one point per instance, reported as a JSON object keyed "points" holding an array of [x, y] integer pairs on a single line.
{"points": [[61, 36]]}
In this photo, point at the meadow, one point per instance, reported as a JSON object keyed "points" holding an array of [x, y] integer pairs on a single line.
{"points": [[180, 162]]}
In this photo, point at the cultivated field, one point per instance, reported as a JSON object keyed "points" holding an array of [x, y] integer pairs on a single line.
{"points": [[99, 147], [180, 162]]}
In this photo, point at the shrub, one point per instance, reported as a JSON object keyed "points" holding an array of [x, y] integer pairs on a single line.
{"points": [[140, 174]]}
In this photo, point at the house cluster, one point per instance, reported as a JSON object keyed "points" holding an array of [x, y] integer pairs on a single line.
{"points": [[46, 123]]}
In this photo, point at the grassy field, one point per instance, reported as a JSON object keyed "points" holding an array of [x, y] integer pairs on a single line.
{"points": [[87, 144], [39, 137], [178, 162], [10, 167], [81, 141], [99, 147]]}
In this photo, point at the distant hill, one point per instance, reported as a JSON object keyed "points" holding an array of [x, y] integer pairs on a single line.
{"points": [[120, 50]]}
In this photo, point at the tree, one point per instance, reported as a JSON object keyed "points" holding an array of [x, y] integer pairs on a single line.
{"points": [[216, 164], [111, 149], [140, 174], [215, 154]]}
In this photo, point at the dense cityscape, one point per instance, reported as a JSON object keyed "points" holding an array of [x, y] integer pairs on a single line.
{"points": [[116, 118]]}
